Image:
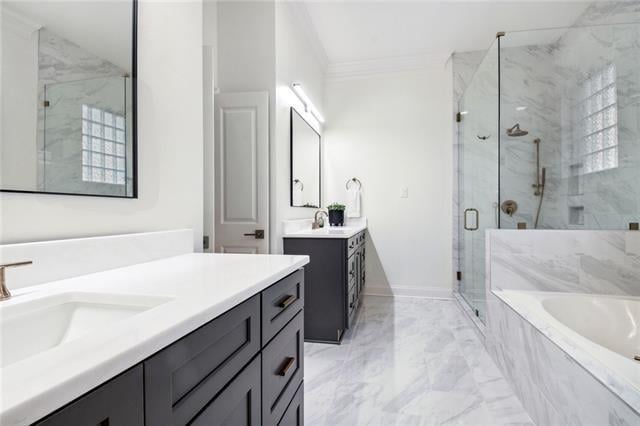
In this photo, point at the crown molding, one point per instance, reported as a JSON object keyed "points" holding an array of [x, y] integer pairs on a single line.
{"points": [[300, 13], [355, 69], [17, 23]]}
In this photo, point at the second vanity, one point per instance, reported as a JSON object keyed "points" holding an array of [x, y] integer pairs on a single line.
{"points": [[189, 339], [334, 278]]}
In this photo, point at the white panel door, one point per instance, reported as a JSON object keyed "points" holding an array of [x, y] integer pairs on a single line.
{"points": [[242, 172]]}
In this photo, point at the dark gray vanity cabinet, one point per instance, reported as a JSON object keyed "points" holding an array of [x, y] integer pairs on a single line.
{"points": [[334, 282], [245, 367], [120, 401]]}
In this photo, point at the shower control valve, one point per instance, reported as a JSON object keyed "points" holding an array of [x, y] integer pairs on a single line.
{"points": [[509, 207]]}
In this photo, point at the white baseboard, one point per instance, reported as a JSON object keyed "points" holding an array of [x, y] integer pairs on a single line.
{"points": [[406, 291]]}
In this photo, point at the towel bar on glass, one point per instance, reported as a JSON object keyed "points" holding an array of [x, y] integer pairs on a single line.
{"points": [[356, 180]]}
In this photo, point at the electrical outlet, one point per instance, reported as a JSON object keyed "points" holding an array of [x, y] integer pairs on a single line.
{"points": [[404, 192]]}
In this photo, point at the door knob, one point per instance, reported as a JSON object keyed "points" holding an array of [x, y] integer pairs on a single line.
{"points": [[258, 234]]}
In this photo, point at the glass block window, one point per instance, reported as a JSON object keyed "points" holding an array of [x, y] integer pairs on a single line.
{"points": [[597, 121], [103, 146]]}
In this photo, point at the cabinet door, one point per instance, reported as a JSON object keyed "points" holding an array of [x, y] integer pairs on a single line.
{"points": [[119, 402], [362, 265], [238, 404], [294, 416]]}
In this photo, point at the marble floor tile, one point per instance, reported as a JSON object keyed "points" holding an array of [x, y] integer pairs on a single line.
{"points": [[407, 362]]}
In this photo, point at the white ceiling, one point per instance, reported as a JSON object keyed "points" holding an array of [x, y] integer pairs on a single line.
{"points": [[365, 30], [100, 27]]}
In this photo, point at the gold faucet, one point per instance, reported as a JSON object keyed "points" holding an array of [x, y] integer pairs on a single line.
{"points": [[318, 223], [4, 291]]}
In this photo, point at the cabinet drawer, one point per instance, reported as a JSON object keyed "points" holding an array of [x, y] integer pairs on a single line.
{"points": [[281, 302], [238, 403], [119, 402], [282, 370], [294, 416], [181, 379]]}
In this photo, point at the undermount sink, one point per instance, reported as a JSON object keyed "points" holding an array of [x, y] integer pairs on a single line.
{"points": [[335, 231], [32, 327]]}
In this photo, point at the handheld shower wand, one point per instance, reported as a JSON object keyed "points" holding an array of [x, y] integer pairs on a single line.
{"points": [[541, 178]]}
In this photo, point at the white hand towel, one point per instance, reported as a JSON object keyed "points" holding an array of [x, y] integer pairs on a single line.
{"points": [[298, 199], [353, 201]]}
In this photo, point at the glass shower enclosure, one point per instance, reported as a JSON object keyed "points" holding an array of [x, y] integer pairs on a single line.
{"points": [[548, 138]]}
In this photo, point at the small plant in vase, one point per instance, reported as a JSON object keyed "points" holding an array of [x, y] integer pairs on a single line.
{"points": [[336, 214]]}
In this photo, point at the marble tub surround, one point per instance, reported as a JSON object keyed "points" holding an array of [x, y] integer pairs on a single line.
{"points": [[553, 386], [194, 287], [407, 362], [621, 375], [302, 228], [600, 262]]}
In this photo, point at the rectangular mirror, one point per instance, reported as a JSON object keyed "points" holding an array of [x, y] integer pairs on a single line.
{"points": [[305, 163], [68, 116]]}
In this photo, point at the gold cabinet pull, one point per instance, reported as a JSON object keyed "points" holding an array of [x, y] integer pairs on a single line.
{"points": [[289, 299], [288, 363]]}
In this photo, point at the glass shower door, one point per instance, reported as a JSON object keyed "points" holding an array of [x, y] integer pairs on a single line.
{"points": [[478, 180]]}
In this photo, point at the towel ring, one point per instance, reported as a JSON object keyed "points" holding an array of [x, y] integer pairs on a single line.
{"points": [[356, 180], [298, 181]]}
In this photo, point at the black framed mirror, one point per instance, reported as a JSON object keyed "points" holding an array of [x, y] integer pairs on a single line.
{"points": [[69, 98], [305, 178]]}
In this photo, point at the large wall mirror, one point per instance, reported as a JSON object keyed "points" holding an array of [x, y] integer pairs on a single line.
{"points": [[305, 163], [68, 117]]}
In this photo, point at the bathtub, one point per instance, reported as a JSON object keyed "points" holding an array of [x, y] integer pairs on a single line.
{"points": [[602, 333]]}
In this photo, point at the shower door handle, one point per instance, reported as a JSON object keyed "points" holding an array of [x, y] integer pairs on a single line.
{"points": [[477, 221]]}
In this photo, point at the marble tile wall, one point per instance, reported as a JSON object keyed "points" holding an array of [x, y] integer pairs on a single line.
{"points": [[543, 90], [68, 77], [601, 262], [553, 388], [543, 78]]}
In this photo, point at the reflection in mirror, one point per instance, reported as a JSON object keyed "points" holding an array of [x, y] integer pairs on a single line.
{"points": [[68, 97], [305, 163]]}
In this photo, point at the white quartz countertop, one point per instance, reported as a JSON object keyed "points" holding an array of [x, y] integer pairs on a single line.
{"points": [[327, 232], [197, 289], [302, 229]]}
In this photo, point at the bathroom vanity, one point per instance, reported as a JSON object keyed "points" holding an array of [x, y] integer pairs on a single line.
{"points": [[334, 277], [189, 339]]}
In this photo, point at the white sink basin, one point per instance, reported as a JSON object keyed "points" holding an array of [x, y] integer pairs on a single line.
{"points": [[34, 326], [333, 231]]}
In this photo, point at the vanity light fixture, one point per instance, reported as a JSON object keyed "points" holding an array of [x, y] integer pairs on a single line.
{"points": [[308, 105]]}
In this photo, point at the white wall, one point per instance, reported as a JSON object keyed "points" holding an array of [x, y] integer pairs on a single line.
{"points": [[170, 147], [209, 74], [245, 60], [19, 117], [297, 61], [393, 131]]}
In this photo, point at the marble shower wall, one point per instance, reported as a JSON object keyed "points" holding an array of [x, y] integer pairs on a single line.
{"points": [[600, 262], [553, 387], [69, 77], [539, 83], [549, 89]]}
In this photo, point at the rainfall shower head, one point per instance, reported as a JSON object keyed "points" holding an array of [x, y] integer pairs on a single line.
{"points": [[516, 131]]}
